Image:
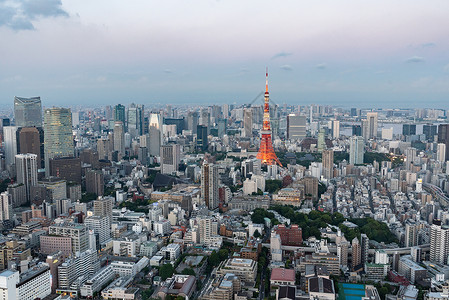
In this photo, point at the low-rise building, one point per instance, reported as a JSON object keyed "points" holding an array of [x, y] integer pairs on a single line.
{"points": [[245, 269]]}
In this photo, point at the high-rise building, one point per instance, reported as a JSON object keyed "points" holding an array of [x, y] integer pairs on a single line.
{"points": [[58, 137], [135, 119], [28, 112], [364, 248], [443, 136], [321, 141], [192, 121], [439, 243], [430, 131], [328, 163], [222, 127], [441, 152], [67, 168], [31, 140], [170, 158], [410, 154], [357, 130], [247, 122], [411, 233], [78, 233], [356, 253], [95, 182], [155, 133], [296, 127], [205, 229], [335, 129], [10, 142], [101, 226], [408, 129], [369, 126], [209, 185], [26, 170], [119, 138], [119, 113], [5, 206], [103, 207], [201, 138], [356, 150]]}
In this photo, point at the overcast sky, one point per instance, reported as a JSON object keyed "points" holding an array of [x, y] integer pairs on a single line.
{"points": [[346, 53]]}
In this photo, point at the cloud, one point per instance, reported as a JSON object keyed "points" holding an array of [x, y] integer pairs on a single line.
{"points": [[321, 66], [286, 68], [168, 71], [415, 59], [282, 54], [17, 15], [428, 45]]}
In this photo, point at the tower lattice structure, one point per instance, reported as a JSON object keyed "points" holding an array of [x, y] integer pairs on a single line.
{"points": [[266, 153]]}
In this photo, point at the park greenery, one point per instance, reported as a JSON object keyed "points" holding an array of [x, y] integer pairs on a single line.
{"points": [[312, 223]]}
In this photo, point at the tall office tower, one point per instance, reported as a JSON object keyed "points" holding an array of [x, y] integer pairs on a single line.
{"points": [[10, 141], [76, 119], [439, 243], [369, 126], [222, 127], [82, 266], [26, 170], [95, 182], [209, 185], [364, 248], [247, 122], [357, 130], [205, 119], [155, 133], [296, 127], [410, 154], [409, 129], [170, 158], [225, 110], [108, 112], [354, 112], [28, 112], [356, 150], [192, 121], [266, 152], [321, 141], [441, 152], [103, 207], [135, 120], [31, 140], [119, 113], [67, 168], [58, 137], [430, 131], [201, 138], [205, 229], [100, 226], [443, 136], [119, 138], [104, 148], [356, 253], [335, 129], [328, 163], [411, 233], [5, 206]]}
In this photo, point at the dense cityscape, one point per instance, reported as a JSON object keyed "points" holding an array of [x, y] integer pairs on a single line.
{"points": [[243, 201]]}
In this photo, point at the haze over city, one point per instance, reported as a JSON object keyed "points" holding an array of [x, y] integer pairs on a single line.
{"points": [[346, 53]]}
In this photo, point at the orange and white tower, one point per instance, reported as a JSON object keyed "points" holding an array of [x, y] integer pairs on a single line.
{"points": [[266, 153]]}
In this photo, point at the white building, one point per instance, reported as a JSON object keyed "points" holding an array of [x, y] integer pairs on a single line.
{"points": [[8, 281], [97, 281], [162, 227], [171, 251], [34, 283]]}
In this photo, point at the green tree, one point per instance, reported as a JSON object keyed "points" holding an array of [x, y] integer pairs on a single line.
{"points": [[256, 234], [223, 254], [188, 271], [214, 259], [166, 271]]}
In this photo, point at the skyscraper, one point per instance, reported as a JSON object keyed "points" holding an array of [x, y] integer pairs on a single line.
{"points": [[209, 185], [443, 136], [192, 121], [410, 154], [439, 243], [335, 129], [201, 138], [408, 129], [28, 112], [58, 137], [364, 247], [441, 152], [328, 163], [411, 233], [26, 169], [369, 126], [356, 150], [119, 113], [247, 122], [155, 133], [356, 253], [296, 127], [10, 140], [135, 119], [119, 138], [430, 131], [170, 158], [31, 140]]}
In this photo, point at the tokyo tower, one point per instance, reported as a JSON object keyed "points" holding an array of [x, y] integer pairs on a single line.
{"points": [[266, 153]]}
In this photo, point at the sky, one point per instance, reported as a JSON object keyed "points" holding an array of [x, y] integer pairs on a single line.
{"points": [[366, 54]]}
